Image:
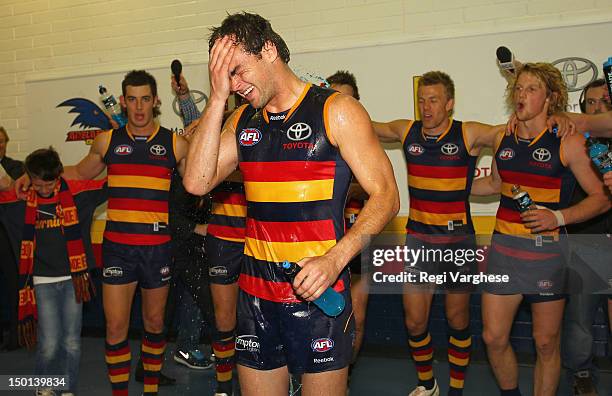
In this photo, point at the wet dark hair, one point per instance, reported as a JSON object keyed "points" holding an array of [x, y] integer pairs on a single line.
{"points": [[44, 164], [139, 78], [252, 31], [343, 77]]}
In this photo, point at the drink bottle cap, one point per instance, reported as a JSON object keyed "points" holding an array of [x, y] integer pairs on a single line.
{"points": [[587, 135], [516, 188], [286, 265], [101, 89]]}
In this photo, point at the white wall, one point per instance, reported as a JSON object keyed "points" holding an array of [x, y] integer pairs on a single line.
{"points": [[62, 38]]}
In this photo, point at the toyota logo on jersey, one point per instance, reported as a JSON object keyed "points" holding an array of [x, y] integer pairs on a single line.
{"points": [[157, 149], [299, 131], [541, 155], [450, 149], [249, 137]]}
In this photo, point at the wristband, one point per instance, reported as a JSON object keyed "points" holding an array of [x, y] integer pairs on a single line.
{"points": [[559, 217]]}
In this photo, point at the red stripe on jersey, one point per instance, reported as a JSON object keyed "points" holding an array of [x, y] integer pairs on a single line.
{"points": [[438, 172], [513, 216], [136, 239], [274, 291], [438, 207], [529, 180], [287, 171], [294, 231], [139, 205], [220, 231], [457, 374], [231, 198], [523, 254], [139, 170]]}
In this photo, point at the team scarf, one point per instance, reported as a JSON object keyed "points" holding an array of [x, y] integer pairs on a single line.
{"points": [[66, 212]]}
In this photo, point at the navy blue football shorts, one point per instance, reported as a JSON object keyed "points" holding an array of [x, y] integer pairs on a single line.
{"points": [[147, 265], [224, 260], [297, 335]]}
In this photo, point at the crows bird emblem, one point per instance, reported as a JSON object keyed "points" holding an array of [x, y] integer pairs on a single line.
{"points": [[89, 114]]}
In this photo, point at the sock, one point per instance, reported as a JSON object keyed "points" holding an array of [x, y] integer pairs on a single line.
{"points": [[422, 353], [510, 392], [224, 345], [118, 359], [459, 347], [153, 346]]}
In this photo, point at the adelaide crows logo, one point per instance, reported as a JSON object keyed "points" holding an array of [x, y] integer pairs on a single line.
{"points": [[89, 116]]}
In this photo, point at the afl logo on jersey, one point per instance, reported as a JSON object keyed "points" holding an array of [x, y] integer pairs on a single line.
{"points": [[299, 131], [249, 137], [415, 149], [541, 155], [124, 149], [449, 149], [506, 154], [322, 344], [157, 149]]}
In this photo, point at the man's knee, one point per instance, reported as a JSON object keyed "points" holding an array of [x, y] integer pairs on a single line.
{"points": [[546, 344], [153, 322], [495, 340], [416, 325]]}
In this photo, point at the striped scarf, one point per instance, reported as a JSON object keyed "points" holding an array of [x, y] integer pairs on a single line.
{"points": [[66, 211]]}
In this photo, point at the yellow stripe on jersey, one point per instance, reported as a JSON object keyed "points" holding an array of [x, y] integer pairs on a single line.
{"points": [[151, 183], [552, 195], [277, 252], [152, 351], [438, 219], [131, 216], [456, 383], [427, 183], [297, 191], [229, 210]]}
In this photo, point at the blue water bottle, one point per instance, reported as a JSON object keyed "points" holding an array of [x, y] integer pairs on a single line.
{"points": [[600, 154], [607, 69], [111, 105], [330, 302]]}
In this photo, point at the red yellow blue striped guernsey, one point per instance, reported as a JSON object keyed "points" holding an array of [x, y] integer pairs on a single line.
{"points": [[440, 175], [139, 171], [228, 213], [537, 165], [296, 185]]}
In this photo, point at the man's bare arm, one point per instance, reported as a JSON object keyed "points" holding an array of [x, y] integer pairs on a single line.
{"points": [[93, 163], [599, 125], [212, 155], [597, 201], [390, 132], [479, 135]]}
